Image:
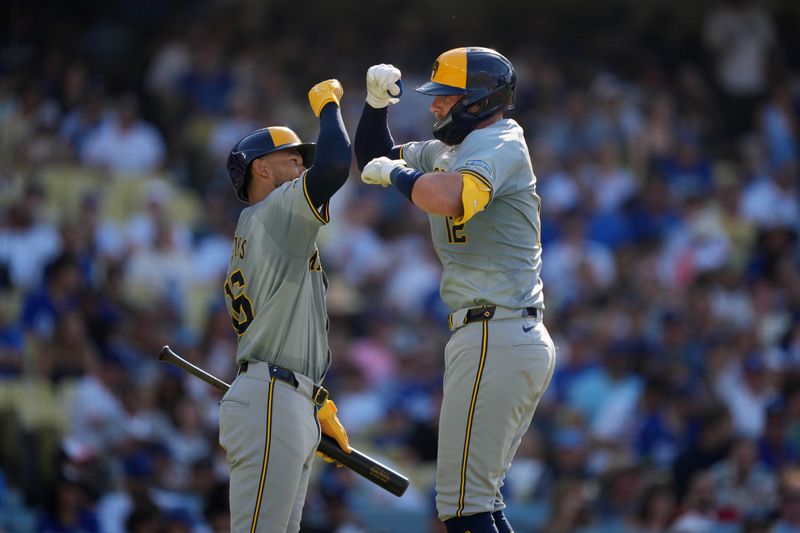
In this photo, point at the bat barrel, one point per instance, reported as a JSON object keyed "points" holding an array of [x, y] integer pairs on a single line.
{"points": [[365, 466]]}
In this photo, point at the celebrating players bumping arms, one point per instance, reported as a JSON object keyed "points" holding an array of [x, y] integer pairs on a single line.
{"points": [[271, 417], [476, 182]]}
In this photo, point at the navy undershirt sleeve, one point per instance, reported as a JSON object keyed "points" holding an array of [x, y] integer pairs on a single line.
{"points": [[373, 138], [332, 160]]}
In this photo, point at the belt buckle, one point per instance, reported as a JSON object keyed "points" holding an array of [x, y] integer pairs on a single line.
{"points": [[480, 314], [320, 396]]}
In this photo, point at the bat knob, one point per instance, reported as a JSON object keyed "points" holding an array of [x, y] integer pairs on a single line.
{"points": [[164, 353]]}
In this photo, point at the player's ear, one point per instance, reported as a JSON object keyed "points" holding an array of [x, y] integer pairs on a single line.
{"points": [[261, 168]]}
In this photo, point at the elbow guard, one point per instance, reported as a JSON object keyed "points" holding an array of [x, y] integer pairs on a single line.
{"points": [[475, 196]]}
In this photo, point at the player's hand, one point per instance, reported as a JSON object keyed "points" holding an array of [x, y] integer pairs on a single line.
{"points": [[379, 171], [324, 92], [330, 425], [384, 86], [329, 459]]}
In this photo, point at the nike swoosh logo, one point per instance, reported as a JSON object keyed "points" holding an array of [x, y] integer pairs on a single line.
{"points": [[526, 330]]}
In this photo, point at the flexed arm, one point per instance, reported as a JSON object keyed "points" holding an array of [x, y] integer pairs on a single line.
{"points": [[373, 137], [332, 160], [437, 193]]}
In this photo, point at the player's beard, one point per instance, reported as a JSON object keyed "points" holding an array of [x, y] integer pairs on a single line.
{"points": [[294, 175]]}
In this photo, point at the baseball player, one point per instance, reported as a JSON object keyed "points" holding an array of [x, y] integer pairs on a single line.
{"points": [[270, 419], [476, 183]]}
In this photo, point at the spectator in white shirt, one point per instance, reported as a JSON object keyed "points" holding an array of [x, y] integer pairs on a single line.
{"points": [[27, 241], [741, 36], [125, 143], [769, 202]]}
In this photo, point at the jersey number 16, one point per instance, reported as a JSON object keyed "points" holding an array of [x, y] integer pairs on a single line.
{"points": [[241, 306]]}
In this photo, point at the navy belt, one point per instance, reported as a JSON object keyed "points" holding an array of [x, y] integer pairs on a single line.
{"points": [[319, 394], [478, 314]]}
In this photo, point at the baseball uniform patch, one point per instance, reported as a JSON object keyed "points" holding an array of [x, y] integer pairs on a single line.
{"points": [[479, 164]]}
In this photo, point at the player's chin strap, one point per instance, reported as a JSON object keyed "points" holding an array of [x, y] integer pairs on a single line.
{"points": [[459, 122]]}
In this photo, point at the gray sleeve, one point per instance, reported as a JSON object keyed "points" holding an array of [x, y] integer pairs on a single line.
{"points": [[421, 155], [290, 219], [489, 159]]}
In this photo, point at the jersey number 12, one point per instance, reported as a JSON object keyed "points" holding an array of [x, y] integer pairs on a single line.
{"points": [[455, 232]]}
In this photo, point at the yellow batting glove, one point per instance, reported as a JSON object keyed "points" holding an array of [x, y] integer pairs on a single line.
{"points": [[329, 459], [324, 92], [330, 425]]}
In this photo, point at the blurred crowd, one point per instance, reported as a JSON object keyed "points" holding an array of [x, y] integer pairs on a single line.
{"points": [[670, 181]]}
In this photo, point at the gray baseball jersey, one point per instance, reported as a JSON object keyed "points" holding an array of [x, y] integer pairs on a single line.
{"points": [[495, 370], [495, 257], [275, 293], [275, 285]]}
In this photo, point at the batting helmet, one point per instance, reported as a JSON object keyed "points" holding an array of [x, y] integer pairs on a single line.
{"points": [[263, 142], [483, 76]]}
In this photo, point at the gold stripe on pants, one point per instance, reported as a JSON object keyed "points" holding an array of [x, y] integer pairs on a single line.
{"points": [[484, 349], [266, 457]]}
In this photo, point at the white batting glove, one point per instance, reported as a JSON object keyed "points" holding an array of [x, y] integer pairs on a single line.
{"points": [[383, 85], [379, 170]]}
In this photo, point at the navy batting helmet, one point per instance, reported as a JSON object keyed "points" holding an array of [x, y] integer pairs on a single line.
{"points": [[263, 142], [483, 76]]}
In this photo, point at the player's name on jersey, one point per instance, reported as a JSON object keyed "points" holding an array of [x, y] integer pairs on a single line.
{"points": [[239, 247]]}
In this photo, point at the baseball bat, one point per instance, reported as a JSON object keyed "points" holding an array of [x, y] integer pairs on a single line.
{"points": [[363, 465]]}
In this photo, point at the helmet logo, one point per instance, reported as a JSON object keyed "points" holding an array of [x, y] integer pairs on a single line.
{"points": [[435, 68]]}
